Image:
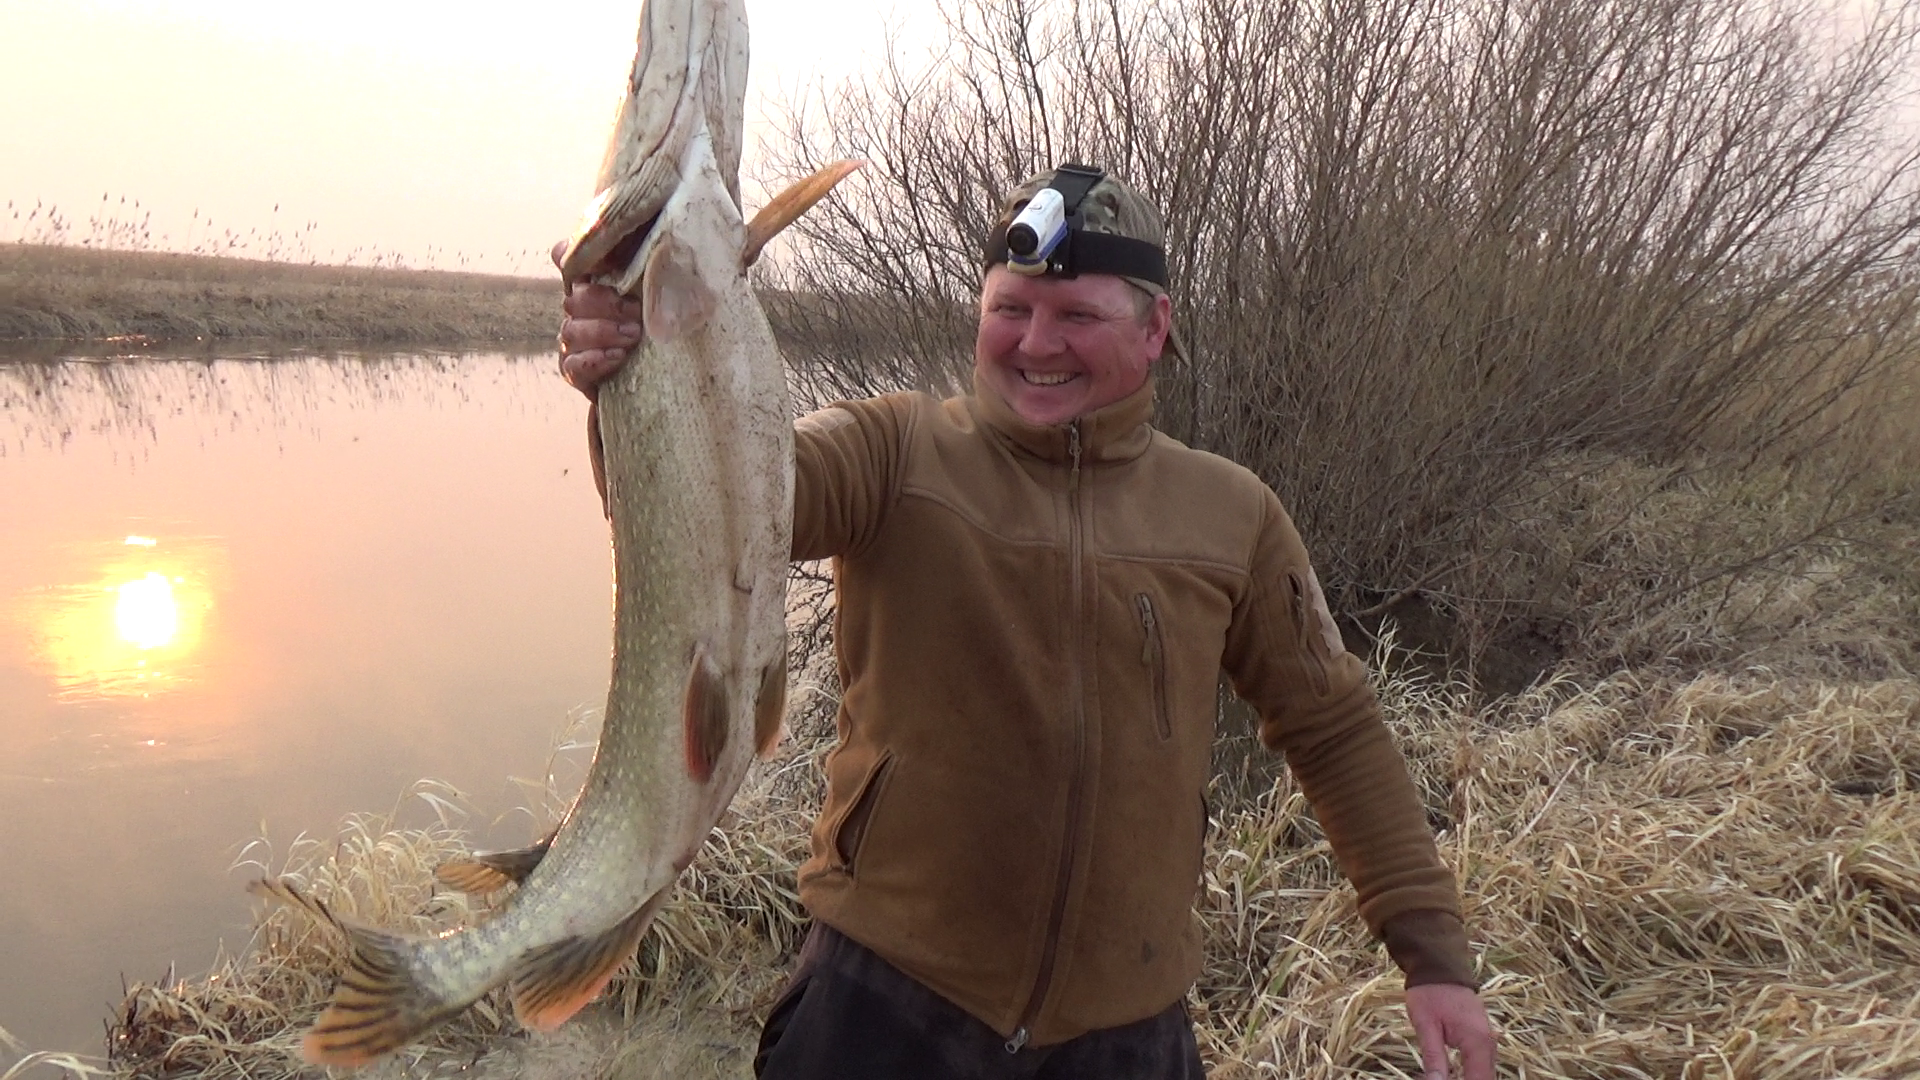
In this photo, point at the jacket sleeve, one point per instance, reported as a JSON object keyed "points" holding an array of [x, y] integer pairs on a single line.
{"points": [[846, 473], [1285, 659]]}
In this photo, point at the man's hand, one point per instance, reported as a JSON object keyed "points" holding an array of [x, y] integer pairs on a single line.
{"points": [[600, 327], [1448, 1014]]}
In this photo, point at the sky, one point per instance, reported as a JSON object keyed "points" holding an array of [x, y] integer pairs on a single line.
{"points": [[446, 134]]}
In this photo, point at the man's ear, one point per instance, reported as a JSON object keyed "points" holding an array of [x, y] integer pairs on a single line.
{"points": [[1159, 324]]}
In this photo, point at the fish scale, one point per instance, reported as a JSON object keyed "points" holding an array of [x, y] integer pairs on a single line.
{"points": [[698, 467]]}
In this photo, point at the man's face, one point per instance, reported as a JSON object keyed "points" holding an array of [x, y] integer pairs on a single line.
{"points": [[1056, 349]]}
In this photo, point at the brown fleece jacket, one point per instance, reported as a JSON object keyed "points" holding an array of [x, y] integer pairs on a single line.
{"points": [[1031, 624]]}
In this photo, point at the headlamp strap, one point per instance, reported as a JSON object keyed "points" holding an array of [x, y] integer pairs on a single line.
{"points": [[1073, 182]]}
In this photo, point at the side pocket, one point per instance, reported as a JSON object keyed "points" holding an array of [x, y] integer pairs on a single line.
{"points": [[852, 830], [1307, 633], [1153, 655]]}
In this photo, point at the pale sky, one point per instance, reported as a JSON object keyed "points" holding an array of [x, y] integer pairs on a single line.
{"points": [[402, 125]]}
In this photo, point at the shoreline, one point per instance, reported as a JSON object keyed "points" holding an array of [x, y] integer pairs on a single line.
{"points": [[54, 296]]}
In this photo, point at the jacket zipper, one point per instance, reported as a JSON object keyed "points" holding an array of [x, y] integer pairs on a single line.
{"points": [[1153, 657], [1065, 873]]}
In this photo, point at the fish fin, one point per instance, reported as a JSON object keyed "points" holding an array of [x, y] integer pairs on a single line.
{"points": [[770, 706], [787, 207], [560, 979], [491, 871], [618, 219], [675, 298], [377, 1007], [705, 711]]}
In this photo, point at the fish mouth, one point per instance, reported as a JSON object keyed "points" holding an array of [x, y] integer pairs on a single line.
{"points": [[1048, 378]]}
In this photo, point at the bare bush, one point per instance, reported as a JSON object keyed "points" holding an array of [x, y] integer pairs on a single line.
{"points": [[1427, 257]]}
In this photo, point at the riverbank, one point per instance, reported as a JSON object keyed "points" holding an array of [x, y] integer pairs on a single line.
{"points": [[80, 294]]}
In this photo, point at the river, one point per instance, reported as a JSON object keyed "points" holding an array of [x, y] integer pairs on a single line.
{"points": [[243, 595]]}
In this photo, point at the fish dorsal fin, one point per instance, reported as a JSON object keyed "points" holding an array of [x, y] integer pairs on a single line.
{"points": [[491, 871], [675, 298], [560, 979], [377, 1006], [787, 207]]}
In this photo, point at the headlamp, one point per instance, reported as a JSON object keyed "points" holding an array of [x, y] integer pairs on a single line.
{"points": [[1047, 236]]}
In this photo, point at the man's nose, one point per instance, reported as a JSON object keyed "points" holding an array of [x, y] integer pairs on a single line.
{"points": [[1044, 335]]}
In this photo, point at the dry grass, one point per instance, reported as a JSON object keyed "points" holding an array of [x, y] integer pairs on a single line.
{"points": [[1704, 876], [49, 291]]}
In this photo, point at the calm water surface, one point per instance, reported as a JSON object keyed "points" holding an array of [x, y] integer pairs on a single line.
{"points": [[248, 596]]}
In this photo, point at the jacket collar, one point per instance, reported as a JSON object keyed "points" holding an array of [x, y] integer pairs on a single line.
{"points": [[1119, 432]]}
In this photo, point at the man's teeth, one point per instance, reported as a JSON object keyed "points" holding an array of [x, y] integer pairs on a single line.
{"points": [[1047, 378]]}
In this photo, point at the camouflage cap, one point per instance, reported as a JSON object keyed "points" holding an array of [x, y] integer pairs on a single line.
{"points": [[1110, 206]]}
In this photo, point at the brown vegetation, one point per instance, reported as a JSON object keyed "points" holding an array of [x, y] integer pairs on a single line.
{"points": [[57, 292], [1426, 257]]}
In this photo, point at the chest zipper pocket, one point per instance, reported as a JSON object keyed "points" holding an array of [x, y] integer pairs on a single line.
{"points": [[1306, 631], [1153, 656], [851, 832]]}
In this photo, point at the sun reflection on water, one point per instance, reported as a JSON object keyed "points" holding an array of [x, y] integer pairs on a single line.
{"points": [[134, 624]]}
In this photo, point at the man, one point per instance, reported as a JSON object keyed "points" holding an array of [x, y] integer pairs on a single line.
{"points": [[1036, 593]]}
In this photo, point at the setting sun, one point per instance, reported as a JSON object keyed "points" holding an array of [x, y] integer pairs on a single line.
{"points": [[130, 622], [146, 614]]}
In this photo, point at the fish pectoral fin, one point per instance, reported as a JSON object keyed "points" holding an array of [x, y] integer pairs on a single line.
{"points": [[491, 871], [377, 1006], [704, 714], [560, 979], [675, 298], [787, 207]]}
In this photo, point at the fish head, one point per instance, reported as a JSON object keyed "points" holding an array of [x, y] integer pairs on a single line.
{"points": [[689, 74]]}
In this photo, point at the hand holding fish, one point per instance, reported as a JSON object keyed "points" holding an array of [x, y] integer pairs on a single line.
{"points": [[598, 333]]}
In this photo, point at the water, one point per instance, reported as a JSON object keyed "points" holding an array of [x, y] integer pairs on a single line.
{"points": [[248, 596]]}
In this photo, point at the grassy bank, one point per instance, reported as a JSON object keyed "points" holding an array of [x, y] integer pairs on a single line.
{"points": [[73, 293], [1692, 851]]}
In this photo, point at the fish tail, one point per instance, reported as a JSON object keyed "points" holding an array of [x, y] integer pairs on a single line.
{"points": [[378, 1005]]}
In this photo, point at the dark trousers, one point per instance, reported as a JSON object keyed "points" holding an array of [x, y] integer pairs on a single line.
{"points": [[849, 1015]]}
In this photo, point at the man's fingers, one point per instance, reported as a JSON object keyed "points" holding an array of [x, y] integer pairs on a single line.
{"points": [[581, 335], [1476, 1055], [559, 249], [600, 302], [1433, 1044], [587, 370]]}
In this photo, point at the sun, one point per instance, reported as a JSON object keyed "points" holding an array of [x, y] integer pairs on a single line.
{"points": [[146, 614]]}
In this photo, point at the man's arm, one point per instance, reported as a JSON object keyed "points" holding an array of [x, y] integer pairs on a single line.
{"points": [[1285, 658]]}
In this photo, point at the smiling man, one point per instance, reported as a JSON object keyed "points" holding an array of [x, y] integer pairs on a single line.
{"points": [[1037, 593]]}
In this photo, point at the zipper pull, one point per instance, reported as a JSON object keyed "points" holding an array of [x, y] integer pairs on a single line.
{"points": [[1073, 448], [1019, 1040]]}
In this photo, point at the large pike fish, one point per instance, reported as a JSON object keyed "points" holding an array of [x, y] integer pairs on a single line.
{"points": [[698, 450]]}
